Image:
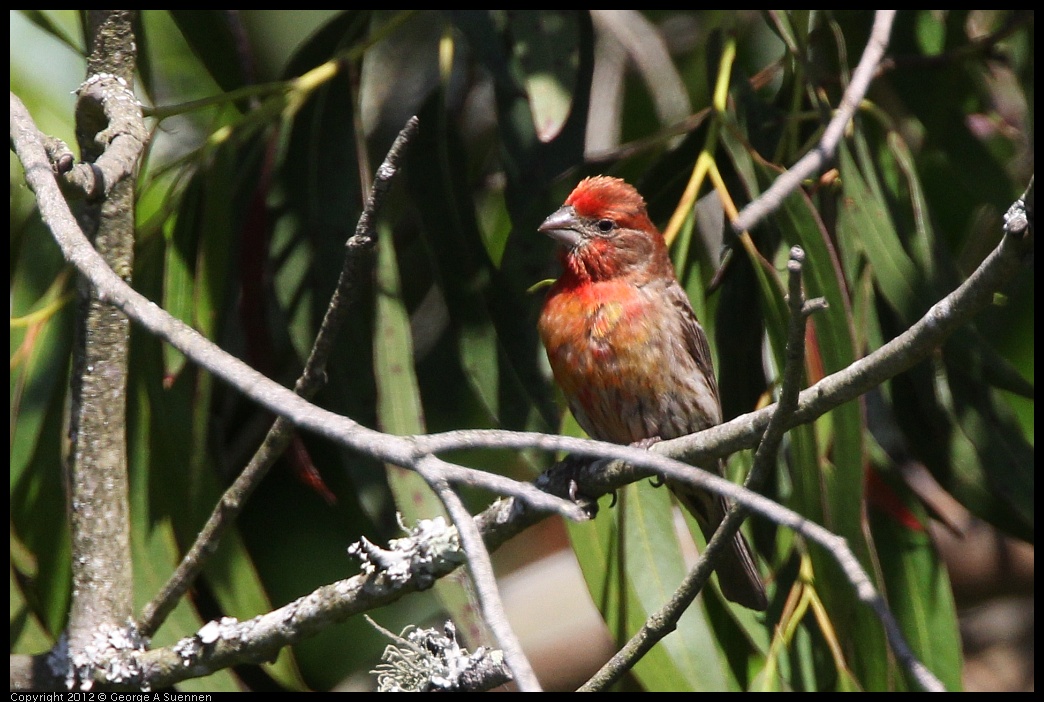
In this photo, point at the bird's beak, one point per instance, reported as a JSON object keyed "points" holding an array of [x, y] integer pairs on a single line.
{"points": [[562, 226]]}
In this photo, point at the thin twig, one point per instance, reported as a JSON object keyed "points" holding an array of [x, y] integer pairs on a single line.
{"points": [[812, 162], [357, 250], [481, 569]]}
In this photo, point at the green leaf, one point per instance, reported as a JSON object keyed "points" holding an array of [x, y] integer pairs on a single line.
{"points": [[42, 299], [491, 321], [154, 547], [632, 562], [63, 25], [970, 442], [919, 594], [399, 411], [866, 226], [174, 487], [826, 464], [28, 635], [546, 54], [178, 289], [211, 35]]}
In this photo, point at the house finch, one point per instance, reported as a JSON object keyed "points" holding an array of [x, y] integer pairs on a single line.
{"points": [[627, 350]]}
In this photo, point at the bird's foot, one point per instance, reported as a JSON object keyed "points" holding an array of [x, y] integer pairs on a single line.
{"points": [[645, 444]]}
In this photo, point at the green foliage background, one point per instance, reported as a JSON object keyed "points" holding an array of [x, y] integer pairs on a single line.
{"points": [[248, 194]]}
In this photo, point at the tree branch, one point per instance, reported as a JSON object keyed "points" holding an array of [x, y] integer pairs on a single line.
{"points": [[811, 163], [358, 250], [106, 103], [481, 569], [102, 577]]}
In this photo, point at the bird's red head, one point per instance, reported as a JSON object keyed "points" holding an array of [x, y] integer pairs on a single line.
{"points": [[605, 232], [611, 198]]}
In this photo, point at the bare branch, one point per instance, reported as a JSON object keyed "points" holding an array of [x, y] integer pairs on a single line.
{"points": [[121, 135], [811, 163], [357, 253], [481, 569], [96, 467]]}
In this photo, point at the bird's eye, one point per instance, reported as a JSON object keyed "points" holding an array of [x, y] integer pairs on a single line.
{"points": [[606, 225]]}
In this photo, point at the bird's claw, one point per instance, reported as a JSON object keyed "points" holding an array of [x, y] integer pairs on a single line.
{"points": [[646, 443]]}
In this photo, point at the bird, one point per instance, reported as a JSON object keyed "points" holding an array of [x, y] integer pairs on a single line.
{"points": [[628, 351]]}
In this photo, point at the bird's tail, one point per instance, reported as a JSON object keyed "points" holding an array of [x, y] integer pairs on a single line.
{"points": [[738, 575]]}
